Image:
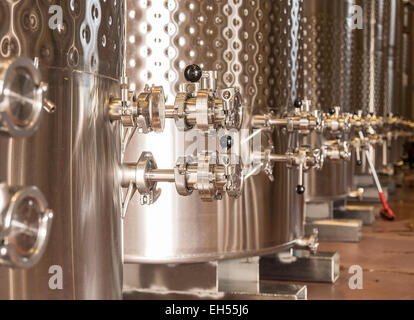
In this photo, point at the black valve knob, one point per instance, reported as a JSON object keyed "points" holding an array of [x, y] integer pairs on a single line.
{"points": [[226, 142], [193, 73], [359, 163], [300, 189], [332, 111], [298, 104]]}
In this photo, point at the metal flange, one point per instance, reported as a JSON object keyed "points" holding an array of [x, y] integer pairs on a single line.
{"points": [[22, 97], [25, 223]]}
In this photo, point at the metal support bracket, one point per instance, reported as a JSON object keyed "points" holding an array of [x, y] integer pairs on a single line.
{"points": [[336, 230], [300, 265]]}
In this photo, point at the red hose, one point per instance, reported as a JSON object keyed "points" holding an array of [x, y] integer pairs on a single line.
{"points": [[386, 212]]}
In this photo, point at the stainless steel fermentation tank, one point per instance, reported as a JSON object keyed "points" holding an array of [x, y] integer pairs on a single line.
{"points": [[394, 73], [370, 53], [253, 45], [393, 64], [379, 76], [369, 56], [410, 61], [275, 52], [359, 72], [407, 62], [325, 58], [388, 74], [74, 156]]}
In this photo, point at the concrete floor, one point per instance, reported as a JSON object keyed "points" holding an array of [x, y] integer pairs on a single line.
{"points": [[386, 255]]}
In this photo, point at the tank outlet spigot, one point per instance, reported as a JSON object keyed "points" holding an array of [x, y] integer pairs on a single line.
{"points": [[336, 150], [143, 111], [336, 122], [303, 159], [374, 122], [200, 104], [207, 174], [369, 122], [310, 243], [301, 120], [357, 145]]}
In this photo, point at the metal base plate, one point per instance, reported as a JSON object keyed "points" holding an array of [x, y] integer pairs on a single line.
{"points": [[224, 279], [318, 210], [267, 291], [390, 184], [356, 212], [336, 230], [301, 266], [363, 180], [399, 179], [371, 195]]}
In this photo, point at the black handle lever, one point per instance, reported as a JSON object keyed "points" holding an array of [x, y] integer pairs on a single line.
{"points": [[300, 189], [298, 104], [193, 73]]}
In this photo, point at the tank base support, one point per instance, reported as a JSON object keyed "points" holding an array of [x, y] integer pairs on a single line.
{"points": [[390, 184], [226, 279], [336, 230], [319, 210], [371, 195], [363, 180], [267, 291], [301, 266], [356, 212]]}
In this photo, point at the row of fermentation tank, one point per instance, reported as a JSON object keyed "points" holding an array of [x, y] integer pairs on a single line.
{"points": [[192, 87]]}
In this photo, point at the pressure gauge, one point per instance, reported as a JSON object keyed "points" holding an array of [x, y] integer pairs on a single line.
{"points": [[25, 223], [21, 97]]}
